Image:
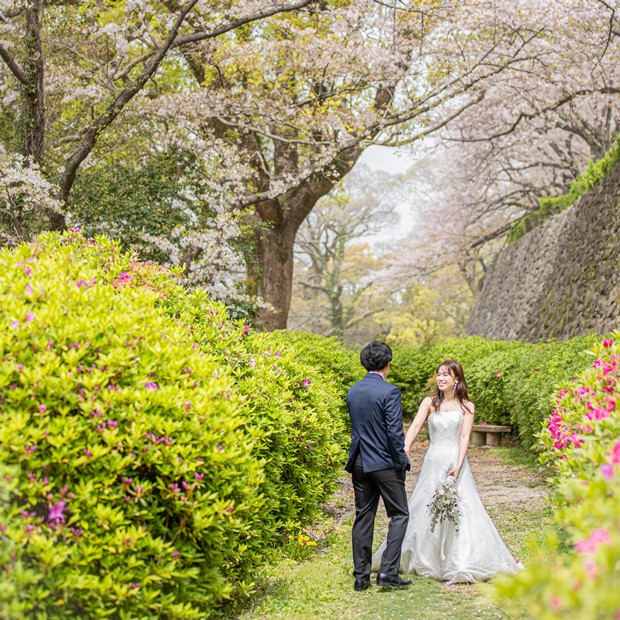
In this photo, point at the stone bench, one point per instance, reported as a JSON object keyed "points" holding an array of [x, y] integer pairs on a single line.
{"points": [[488, 435]]}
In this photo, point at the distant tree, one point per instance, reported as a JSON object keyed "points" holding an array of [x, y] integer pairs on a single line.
{"points": [[334, 266]]}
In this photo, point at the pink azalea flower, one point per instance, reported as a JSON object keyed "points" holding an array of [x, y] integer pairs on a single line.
{"points": [[608, 342], [151, 385], [614, 453], [307, 382], [29, 317], [56, 512], [607, 471], [42, 408]]}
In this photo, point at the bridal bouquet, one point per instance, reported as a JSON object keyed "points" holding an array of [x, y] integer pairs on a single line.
{"points": [[444, 504]]}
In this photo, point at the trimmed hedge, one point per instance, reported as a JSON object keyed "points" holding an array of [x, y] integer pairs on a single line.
{"points": [[153, 453], [581, 442], [510, 382]]}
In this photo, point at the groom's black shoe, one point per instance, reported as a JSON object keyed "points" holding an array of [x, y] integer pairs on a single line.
{"points": [[392, 581], [361, 584]]}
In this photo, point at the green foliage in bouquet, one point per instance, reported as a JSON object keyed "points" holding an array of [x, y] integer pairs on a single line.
{"points": [[582, 450], [153, 453]]}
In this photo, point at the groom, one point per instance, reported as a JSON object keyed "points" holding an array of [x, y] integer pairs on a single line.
{"points": [[378, 463]]}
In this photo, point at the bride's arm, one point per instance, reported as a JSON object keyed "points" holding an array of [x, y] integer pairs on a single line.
{"points": [[468, 423], [416, 425]]}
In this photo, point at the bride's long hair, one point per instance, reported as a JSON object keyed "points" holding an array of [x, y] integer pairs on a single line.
{"points": [[456, 370]]}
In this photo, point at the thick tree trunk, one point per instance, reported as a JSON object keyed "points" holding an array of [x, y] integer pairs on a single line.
{"points": [[274, 252], [281, 219]]}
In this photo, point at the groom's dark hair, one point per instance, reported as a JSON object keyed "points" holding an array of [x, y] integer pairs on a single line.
{"points": [[375, 355]]}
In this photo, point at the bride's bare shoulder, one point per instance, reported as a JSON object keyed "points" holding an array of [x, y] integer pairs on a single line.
{"points": [[469, 407]]}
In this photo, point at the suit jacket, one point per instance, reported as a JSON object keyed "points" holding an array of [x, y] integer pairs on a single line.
{"points": [[377, 425]]}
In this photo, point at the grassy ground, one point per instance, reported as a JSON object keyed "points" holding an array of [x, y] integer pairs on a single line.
{"points": [[321, 586]]}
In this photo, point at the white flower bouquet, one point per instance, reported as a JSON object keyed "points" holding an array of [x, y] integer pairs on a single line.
{"points": [[444, 505]]}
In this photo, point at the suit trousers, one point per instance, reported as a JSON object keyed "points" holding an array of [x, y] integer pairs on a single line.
{"points": [[389, 484]]}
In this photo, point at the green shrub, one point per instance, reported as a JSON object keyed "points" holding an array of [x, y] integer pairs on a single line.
{"points": [[510, 382], [153, 453], [582, 449]]}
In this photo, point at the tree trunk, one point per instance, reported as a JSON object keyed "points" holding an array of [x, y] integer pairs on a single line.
{"points": [[34, 104], [281, 219], [274, 252]]}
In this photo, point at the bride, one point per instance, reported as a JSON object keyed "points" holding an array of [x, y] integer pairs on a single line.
{"points": [[474, 551]]}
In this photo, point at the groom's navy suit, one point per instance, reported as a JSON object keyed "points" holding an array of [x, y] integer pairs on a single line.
{"points": [[378, 463]]}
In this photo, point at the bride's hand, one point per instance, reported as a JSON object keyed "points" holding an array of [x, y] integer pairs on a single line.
{"points": [[454, 472]]}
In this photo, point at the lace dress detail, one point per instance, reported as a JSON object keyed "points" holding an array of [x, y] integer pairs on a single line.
{"points": [[474, 553]]}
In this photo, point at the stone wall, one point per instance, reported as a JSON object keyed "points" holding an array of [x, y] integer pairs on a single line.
{"points": [[560, 280]]}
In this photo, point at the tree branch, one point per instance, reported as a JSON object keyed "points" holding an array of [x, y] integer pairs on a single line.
{"points": [[202, 36], [13, 66]]}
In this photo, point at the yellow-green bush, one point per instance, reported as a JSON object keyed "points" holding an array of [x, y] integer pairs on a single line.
{"points": [[153, 453], [582, 449]]}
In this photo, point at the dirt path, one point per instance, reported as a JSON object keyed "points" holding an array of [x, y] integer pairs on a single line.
{"points": [[500, 483], [321, 586]]}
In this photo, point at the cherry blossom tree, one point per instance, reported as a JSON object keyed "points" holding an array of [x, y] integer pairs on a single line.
{"points": [[278, 99], [70, 92]]}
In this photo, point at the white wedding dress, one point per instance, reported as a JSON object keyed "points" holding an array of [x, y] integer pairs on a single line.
{"points": [[474, 553]]}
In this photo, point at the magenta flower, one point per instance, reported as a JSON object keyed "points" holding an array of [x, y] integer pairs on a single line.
{"points": [[187, 404], [112, 423], [498, 373], [307, 382], [134, 586], [608, 342], [246, 329], [15, 324], [151, 385], [87, 452], [199, 476], [607, 471], [175, 554], [42, 408], [57, 511], [614, 453], [123, 276], [29, 317], [30, 449]]}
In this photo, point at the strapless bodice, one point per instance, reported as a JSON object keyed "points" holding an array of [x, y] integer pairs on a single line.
{"points": [[444, 427]]}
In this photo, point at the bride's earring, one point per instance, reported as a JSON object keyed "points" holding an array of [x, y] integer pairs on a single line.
{"points": [[456, 384]]}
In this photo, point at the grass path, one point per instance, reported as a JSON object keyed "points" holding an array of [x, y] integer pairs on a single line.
{"points": [[321, 587]]}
